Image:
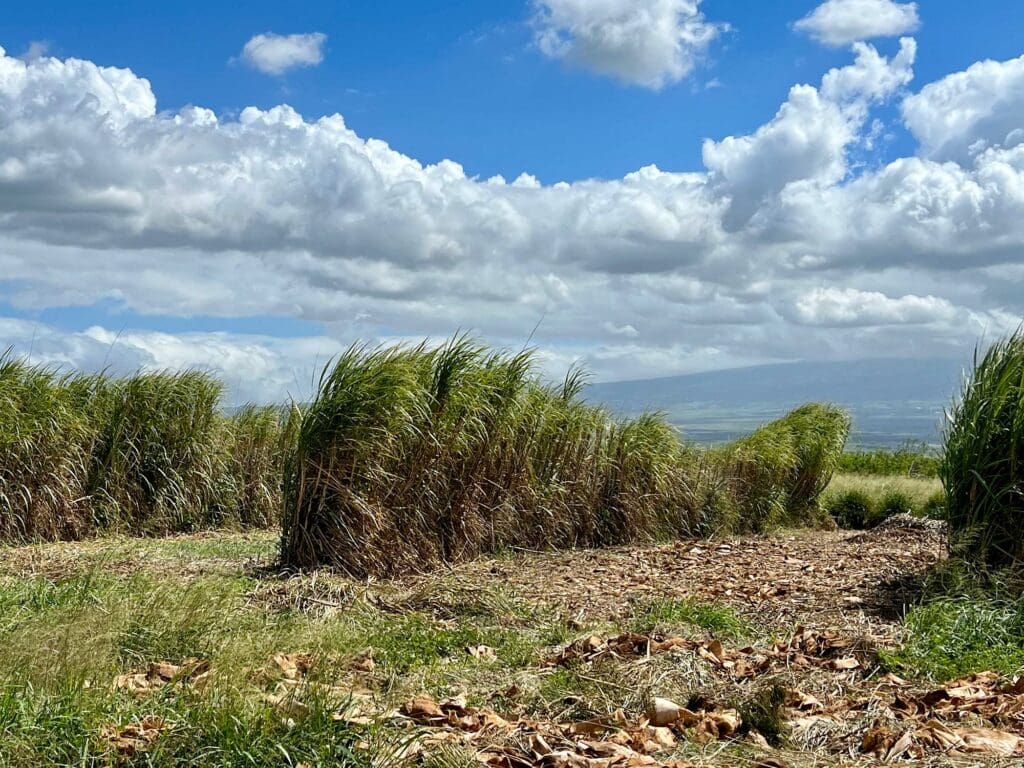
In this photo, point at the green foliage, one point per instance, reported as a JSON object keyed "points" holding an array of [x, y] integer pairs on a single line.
{"points": [[145, 454], [935, 506], [464, 451], [852, 509], [895, 502], [260, 437], [781, 469], [159, 458], [407, 456], [952, 637], [764, 711], [909, 460], [982, 468], [858, 501], [46, 441]]}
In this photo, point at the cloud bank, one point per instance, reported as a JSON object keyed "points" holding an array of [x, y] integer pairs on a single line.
{"points": [[784, 246]]}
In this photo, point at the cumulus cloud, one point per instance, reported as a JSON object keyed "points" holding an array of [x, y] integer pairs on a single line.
{"points": [[651, 43], [841, 22], [808, 138], [966, 112], [256, 368], [275, 54], [849, 306], [781, 247], [36, 50]]}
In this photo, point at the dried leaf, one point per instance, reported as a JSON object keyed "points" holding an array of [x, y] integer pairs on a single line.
{"points": [[663, 712], [482, 652], [990, 741]]}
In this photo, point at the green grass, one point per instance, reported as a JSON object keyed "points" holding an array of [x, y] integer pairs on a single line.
{"points": [[910, 460], [863, 501], [983, 460], [682, 614], [63, 727], [952, 637], [104, 611], [66, 637]]}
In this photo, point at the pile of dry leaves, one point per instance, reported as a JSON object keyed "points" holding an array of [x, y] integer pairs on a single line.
{"points": [[530, 743], [193, 673], [807, 648], [980, 714]]}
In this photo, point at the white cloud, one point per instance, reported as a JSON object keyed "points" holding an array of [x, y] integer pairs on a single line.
{"points": [[255, 368], [808, 138], [275, 54], [36, 50], [781, 248], [849, 306], [651, 43], [841, 22], [968, 111]]}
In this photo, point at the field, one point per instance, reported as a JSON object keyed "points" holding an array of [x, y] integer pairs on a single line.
{"points": [[443, 560], [792, 647]]}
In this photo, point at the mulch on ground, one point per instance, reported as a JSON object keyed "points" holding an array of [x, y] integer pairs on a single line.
{"points": [[818, 578]]}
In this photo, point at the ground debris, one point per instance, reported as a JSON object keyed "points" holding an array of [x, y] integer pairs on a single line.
{"points": [[821, 578], [807, 648], [616, 741], [192, 672], [129, 740]]}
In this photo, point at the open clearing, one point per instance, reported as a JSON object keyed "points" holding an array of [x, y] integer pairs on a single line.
{"points": [[194, 650]]}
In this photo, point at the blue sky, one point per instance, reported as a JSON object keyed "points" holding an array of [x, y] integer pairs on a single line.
{"points": [[313, 235], [462, 80]]}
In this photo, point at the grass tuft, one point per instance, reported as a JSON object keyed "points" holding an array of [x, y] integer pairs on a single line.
{"points": [[679, 614], [952, 637], [150, 453], [780, 470], [982, 468]]}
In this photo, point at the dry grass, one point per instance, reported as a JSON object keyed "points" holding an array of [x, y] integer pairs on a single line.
{"points": [[919, 490], [465, 451], [151, 453]]}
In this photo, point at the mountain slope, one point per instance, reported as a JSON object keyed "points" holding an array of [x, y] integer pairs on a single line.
{"points": [[892, 400]]}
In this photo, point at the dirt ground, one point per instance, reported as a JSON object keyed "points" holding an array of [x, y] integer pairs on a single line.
{"points": [[816, 578]]}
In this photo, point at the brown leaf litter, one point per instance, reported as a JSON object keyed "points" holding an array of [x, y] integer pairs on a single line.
{"points": [[807, 648], [129, 740], [192, 672], [978, 714], [821, 578], [976, 717], [531, 743]]}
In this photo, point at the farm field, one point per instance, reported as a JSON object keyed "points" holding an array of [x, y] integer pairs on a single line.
{"points": [[538, 384], [780, 649], [443, 561]]}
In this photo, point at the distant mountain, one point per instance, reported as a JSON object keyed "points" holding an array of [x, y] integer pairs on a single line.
{"points": [[891, 400]]}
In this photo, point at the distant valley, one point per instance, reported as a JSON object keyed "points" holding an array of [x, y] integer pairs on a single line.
{"points": [[892, 400]]}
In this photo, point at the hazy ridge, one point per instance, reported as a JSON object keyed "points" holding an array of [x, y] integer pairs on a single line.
{"points": [[892, 400]]}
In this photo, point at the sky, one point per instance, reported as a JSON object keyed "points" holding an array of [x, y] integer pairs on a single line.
{"points": [[646, 187]]}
